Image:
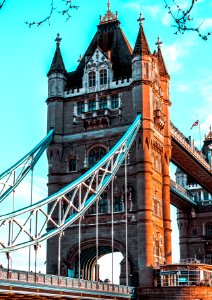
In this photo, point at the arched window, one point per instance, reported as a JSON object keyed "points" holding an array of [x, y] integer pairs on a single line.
{"points": [[72, 164], [103, 103], [95, 154], [91, 79], [209, 229], [103, 76], [118, 204], [115, 102], [103, 209]]}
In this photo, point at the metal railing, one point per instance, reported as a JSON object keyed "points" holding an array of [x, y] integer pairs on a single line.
{"points": [[176, 134], [182, 191], [60, 281]]}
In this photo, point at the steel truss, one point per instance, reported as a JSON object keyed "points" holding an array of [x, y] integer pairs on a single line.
{"points": [[12, 177], [65, 207]]}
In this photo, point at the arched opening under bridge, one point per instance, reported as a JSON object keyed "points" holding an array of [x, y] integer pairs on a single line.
{"points": [[96, 264]]}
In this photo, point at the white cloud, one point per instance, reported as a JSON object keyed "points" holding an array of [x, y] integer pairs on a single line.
{"points": [[166, 20], [182, 87], [172, 54], [152, 10], [133, 5], [175, 52], [206, 24]]}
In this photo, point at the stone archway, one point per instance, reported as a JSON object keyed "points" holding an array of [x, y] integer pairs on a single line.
{"points": [[89, 269]]}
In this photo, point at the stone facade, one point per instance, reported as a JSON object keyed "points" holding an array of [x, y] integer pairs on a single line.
{"points": [[97, 103], [195, 225], [176, 293]]}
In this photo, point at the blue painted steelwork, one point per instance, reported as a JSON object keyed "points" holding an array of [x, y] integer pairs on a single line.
{"points": [[24, 165], [78, 197], [183, 193]]}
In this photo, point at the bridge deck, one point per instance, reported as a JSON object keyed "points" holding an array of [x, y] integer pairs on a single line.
{"points": [[27, 285], [190, 160]]}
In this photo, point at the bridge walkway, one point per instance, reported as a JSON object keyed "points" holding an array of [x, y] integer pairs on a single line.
{"points": [[16, 284]]}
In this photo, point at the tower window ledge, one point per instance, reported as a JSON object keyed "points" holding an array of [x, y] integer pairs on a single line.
{"points": [[159, 119], [96, 114]]}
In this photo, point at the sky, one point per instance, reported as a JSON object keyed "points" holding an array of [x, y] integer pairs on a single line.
{"points": [[26, 55]]}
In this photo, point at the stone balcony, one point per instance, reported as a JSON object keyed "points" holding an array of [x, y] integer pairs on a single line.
{"points": [[96, 119]]}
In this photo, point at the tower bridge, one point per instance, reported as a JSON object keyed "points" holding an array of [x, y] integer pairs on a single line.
{"points": [[109, 147]]}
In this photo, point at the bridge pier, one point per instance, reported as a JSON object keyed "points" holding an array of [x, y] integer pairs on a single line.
{"points": [[176, 293]]}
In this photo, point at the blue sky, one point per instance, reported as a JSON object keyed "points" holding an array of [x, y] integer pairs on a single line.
{"points": [[26, 55]]}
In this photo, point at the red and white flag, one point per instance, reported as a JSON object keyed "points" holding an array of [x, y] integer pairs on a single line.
{"points": [[195, 124]]}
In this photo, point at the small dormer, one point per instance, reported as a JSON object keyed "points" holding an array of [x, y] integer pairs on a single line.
{"points": [[97, 71]]}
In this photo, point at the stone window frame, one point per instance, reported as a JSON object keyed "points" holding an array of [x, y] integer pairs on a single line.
{"points": [[208, 229], [92, 105], [115, 100], [194, 231], [103, 76], [91, 149], [72, 159], [118, 202], [80, 107], [92, 79], [103, 103]]}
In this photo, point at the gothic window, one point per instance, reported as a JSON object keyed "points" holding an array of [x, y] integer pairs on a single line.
{"points": [[103, 103], [80, 108], [103, 206], [117, 204], [103, 76], [95, 154], [92, 210], [194, 231], [146, 70], [72, 164], [114, 102], [209, 229], [157, 248], [205, 195], [92, 79], [155, 207], [91, 105]]}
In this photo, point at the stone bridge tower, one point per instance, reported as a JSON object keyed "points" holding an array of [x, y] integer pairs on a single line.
{"points": [[90, 109]]}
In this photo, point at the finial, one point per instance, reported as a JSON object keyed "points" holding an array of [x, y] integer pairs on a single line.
{"points": [[80, 58], [158, 42], [109, 16], [108, 5], [141, 19], [210, 128], [58, 39]]}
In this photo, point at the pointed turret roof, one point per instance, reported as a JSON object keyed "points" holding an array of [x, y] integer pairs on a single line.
{"points": [[57, 62], [109, 38], [162, 67], [141, 45]]}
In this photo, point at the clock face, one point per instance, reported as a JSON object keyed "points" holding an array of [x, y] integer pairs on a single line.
{"points": [[210, 147]]}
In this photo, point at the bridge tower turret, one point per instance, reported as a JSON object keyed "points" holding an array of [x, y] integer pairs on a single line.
{"points": [[110, 86], [57, 77], [150, 96]]}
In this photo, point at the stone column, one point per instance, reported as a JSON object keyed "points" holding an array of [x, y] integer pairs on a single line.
{"points": [[166, 211], [182, 219], [144, 214]]}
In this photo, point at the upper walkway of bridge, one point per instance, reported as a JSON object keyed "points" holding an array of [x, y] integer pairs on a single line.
{"points": [[190, 159]]}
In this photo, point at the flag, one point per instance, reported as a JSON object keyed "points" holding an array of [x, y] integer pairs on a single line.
{"points": [[195, 124]]}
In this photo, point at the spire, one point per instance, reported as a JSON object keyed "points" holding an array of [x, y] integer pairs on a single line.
{"points": [[161, 63], [141, 45], [57, 62], [109, 16], [208, 137]]}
